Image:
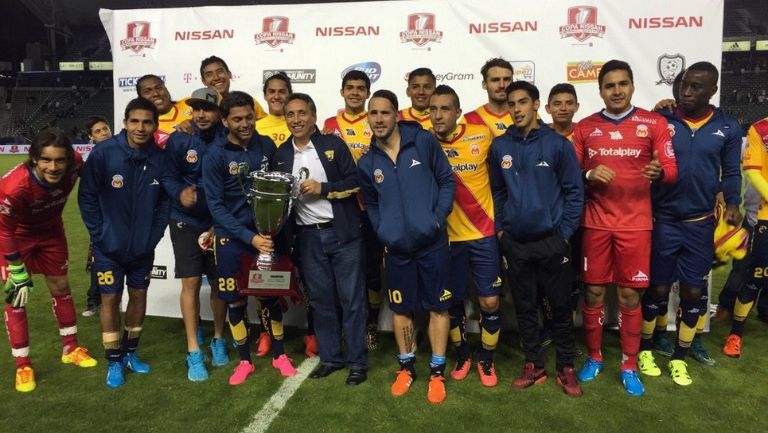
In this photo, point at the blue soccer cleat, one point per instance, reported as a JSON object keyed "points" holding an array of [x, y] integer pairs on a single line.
{"points": [[133, 363], [219, 355], [590, 370], [631, 382], [196, 371], [115, 375]]}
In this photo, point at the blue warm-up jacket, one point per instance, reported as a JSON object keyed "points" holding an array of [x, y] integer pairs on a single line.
{"points": [[536, 184], [408, 200], [708, 162], [232, 216], [122, 200], [184, 155]]}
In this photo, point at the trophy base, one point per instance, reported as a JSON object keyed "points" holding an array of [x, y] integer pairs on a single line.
{"points": [[278, 281]]}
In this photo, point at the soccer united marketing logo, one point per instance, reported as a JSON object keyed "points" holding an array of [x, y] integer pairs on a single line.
{"points": [[138, 37], [421, 30], [582, 24], [274, 31]]}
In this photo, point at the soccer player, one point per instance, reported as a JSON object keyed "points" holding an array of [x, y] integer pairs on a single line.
{"points": [[538, 198], [172, 113], [352, 125], [235, 229], [755, 166], [497, 74], [328, 238], [215, 74], [408, 189], [125, 209], [421, 84], [562, 105], [98, 131], [622, 149], [190, 219], [277, 89], [707, 144], [32, 240], [471, 233]]}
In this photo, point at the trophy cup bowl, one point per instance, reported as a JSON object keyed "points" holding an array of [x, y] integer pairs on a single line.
{"points": [[271, 195]]}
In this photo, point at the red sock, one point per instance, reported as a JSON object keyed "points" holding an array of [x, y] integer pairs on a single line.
{"points": [[64, 310], [630, 328], [18, 334], [594, 317]]}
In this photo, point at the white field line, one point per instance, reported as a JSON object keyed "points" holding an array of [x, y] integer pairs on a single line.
{"points": [[275, 404]]}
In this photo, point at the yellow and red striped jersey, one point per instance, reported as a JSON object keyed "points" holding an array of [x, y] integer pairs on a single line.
{"points": [[467, 152], [481, 116], [353, 129], [756, 157], [414, 115], [178, 113], [274, 127]]}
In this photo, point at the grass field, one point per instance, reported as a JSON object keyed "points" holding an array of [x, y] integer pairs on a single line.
{"points": [[730, 396]]}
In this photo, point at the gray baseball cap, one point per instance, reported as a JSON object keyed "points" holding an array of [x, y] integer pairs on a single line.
{"points": [[204, 97]]}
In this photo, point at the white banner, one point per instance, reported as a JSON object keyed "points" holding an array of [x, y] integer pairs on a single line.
{"points": [[548, 42]]}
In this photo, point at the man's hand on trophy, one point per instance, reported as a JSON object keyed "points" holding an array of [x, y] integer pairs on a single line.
{"points": [[188, 196], [263, 243], [310, 187]]}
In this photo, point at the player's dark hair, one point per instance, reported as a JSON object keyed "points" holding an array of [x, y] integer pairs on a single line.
{"points": [[356, 75], [704, 67], [529, 88], [234, 99], [388, 95], [280, 75], [211, 60], [496, 62], [614, 65], [91, 121], [144, 78], [563, 88], [676, 85], [50, 137], [445, 89], [421, 72], [141, 104], [303, 97]]}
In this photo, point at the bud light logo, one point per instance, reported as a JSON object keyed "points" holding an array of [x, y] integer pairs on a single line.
{"points": [[371, 69]]}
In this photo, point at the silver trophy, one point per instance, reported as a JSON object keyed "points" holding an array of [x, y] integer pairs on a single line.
{"points": [[270, 196]]}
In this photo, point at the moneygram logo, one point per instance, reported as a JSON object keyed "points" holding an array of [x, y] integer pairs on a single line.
{"points": [[585, 71], [300, 76], [274, 31], [523, 70], [371, 69], [441, 77], [582, 24], [128, 84], [421, 30], [138, 37]]}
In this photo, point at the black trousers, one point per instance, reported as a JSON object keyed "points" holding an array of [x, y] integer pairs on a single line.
{"points": [[542, 264]]}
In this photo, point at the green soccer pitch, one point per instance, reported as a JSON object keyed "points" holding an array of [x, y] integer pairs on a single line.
{"points": [[729, 396]]}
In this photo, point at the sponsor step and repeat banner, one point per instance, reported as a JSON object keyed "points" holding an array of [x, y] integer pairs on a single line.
{"points": [[547, 42]]}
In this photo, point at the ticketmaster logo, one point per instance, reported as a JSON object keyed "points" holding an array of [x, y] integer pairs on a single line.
{"points": [[300, 76]]}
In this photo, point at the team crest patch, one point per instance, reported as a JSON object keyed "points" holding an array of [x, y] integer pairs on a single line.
{"points": [[641, 131], [506, 162], [367, 133], [191, 156], [669, 151], [446, 295], [474, 149], [451, 153], [232, 168], [117, 181], [329, 155], [671, 129], [378, 176]]}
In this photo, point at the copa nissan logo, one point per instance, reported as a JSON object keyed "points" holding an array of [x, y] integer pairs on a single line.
{"points": [[421, 30], [128, 84], [138, 37], [274, 32], [204, 35], [371, 69]]}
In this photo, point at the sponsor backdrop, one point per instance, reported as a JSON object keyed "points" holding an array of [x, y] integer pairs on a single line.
{"points": [[547, 42]]}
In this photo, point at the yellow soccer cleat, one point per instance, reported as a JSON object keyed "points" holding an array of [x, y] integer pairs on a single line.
{"points": [[647, 365], [25, 379], [678, 369], [79, 357]]}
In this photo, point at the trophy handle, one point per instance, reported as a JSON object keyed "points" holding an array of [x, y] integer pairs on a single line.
{"points": [[242, 173]]}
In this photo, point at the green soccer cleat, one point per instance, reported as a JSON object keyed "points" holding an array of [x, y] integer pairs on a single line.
{"points": [[647, 364], [678, 369]]}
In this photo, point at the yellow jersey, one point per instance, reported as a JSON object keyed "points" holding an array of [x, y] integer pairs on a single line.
{"points": [[467, 151], [414, 115], [273, 127], [353, 129], [178, 113], [498, 124], [756, 158]]}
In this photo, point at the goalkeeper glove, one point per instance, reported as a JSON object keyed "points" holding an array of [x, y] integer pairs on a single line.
{"points": [[18, 286]]}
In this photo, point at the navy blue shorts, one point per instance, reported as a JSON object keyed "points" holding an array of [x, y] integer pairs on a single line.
{"points": [[482, 256], [418, 281], [682, 251], [112, 277], [758, 256], [229, 253]]}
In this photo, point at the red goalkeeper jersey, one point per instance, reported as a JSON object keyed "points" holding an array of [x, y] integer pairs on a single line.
{"points": [[625, 146], [30, 208]]}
